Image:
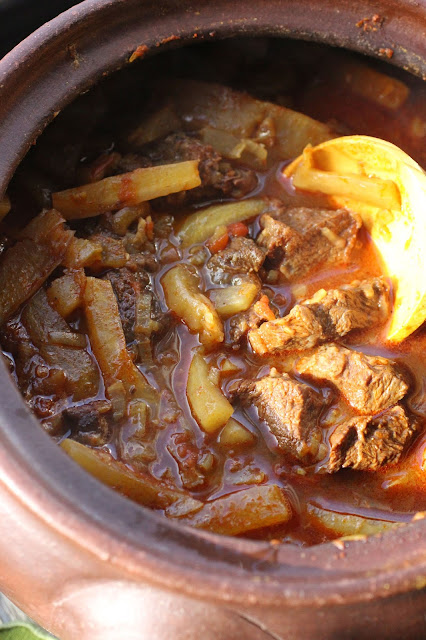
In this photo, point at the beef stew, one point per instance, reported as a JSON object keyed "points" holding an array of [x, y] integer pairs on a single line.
{"points": [[199, 334]]}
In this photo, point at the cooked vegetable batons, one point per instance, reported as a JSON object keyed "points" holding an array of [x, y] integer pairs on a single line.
{"points": [[184, 298], [202, 224], [234, 299], [127, 189], [209, 406], [141, 487], [381, 88], [251, 153], [27, 265], [109, 344], [253, 508], [285, 132], [65, 294], [373, 191], [340, 524], [234, 434], [156, 125]]}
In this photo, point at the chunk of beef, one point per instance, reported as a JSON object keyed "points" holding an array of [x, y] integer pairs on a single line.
{"points": [[218, 177], [299, 240], [90, 423], [243, 322], [356, 306], [370, 442], [66, 366], [290, 409], [142, 261], [127, 286], [328, 315], [241, 256], [370, 384], [297, 331], [139, 310]]}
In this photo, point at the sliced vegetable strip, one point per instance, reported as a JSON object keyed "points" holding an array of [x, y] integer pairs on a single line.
{"points": [[108, 342], [28, 264], [127, 189], [341, 524], [233, 299], [202, 224], [63, 349], [184, 297], [253, 508], [209, 406], [213, 105], [141, 487]]}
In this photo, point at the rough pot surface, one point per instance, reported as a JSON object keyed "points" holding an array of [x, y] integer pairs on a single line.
{"points": [[85, 562]]}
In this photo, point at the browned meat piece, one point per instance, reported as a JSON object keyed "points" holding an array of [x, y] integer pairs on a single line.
{"points": [[241, 256], [27, 264], [127, 286], [243, 322], [142, 261], [300, 240], [356, 306], [290, 409], [218, 177], [370, 384], [135, 299], [297, 331], [328, 315], [368, 443], [71, 370], [90, 423]]}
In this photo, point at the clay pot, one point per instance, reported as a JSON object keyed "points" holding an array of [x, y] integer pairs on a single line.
{"points": [[80, 559]]}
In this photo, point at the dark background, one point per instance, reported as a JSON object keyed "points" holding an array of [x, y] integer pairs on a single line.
{"points": [[18, 18]]}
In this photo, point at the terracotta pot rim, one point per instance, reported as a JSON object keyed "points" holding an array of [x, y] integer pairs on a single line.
{"points": [[41, 476]]}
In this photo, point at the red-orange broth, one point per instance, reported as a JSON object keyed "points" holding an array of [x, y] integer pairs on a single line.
{"points": [[393, 493]]}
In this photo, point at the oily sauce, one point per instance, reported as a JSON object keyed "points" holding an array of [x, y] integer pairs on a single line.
{"points": [[395, 493], [374, 495]]}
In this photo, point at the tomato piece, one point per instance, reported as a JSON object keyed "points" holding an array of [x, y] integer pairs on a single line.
{"points": [[238, 229], [218, 244]]}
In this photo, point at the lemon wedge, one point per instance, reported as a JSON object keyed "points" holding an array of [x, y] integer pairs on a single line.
{"points": [[388, 189]]}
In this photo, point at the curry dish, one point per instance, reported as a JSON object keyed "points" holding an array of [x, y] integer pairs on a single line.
{"points": [[197, 331]]}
